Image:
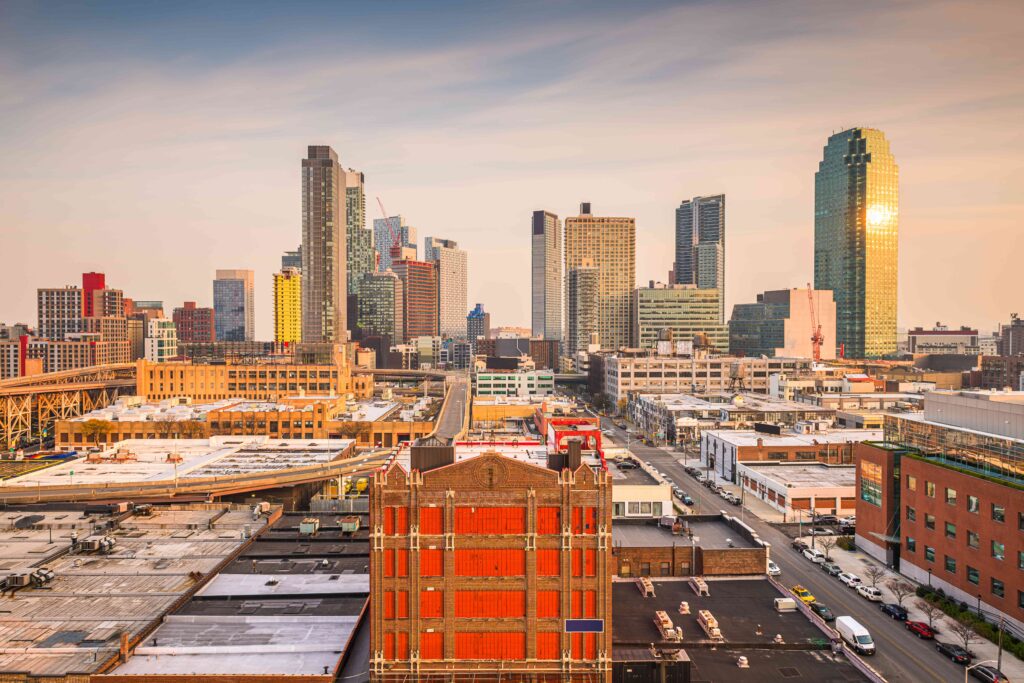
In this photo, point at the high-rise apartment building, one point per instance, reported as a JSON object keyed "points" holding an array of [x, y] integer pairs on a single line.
{"points": [[359, 239], [419, 297], [324, 246], [292, 259], [233, 304], [856, 239], [700, 245], [194, 324], [581, 306], [384, 233], [288, 306], [161, 340], [60, 312], [104, 303], [779, 325], [610, 244], [478, 324], [546, 275], [1010, 341], [91, 282], [684, 310], [452, 275], [381, 306]]}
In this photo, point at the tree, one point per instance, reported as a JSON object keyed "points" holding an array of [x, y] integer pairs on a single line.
{"points": [[901, 589], [965, 633], [165, 428], [92, 430], [827, 544], [191, 429], [874, 573], [930, 611]]}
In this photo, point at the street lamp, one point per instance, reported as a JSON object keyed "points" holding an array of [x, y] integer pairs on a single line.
{"points": [[929, 577], [975, 666]]}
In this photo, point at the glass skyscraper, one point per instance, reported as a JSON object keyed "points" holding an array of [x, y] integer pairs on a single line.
{"points": [[234, 316], [361, 257], [700, 246], [546, 275], [856, 231]]}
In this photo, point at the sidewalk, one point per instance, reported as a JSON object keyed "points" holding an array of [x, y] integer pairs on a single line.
{"points": [[752, 504], [855, 562]]}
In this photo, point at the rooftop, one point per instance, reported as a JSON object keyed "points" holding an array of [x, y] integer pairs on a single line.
{"points": [[770, 666], [138, 460], [749, 437], [806, 475], [707, 533]]}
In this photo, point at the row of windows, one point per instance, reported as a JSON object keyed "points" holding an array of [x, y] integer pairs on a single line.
{"points": [[997, 511], [996, 586]]}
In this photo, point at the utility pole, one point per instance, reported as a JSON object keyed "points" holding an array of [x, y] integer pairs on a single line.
{"points": [[999, 657]]}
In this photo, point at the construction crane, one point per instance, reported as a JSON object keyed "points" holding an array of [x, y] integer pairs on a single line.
{"points": [[817, 338], [396, 249]]}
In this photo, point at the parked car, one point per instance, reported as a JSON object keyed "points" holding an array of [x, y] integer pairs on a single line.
{"points": [[920, 629], [851, 520], [773, 569], [847, 529], [989, 674], [802, 593], [734, 499], [815, 555], [832, 569], [895, 611], [851, 580], [956, 654], [798, 546], [822, 611], [627, 465], [687, 500], [825, 519], [869, 593], [820, 531]]}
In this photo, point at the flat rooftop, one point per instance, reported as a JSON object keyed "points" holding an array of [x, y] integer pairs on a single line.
{"points": [[806, 475], [749, 437], [631, 476], [147, 460], [770, 666], [714, 534], [524, 450], [73, 623], [288, 605], [739, 605]]}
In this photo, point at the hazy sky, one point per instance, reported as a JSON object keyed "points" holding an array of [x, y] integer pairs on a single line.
{"points": [[158, 142]]}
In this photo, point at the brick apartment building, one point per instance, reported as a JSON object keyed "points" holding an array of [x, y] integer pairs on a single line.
{"points": [[492, 568], [195, 324]]}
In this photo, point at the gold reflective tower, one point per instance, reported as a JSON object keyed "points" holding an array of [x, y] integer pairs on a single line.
{"points": [[856, 239]]}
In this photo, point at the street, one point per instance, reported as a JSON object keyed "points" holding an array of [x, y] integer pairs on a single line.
{"points": [[900, 658]]}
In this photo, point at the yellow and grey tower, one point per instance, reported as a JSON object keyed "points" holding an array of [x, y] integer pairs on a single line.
{"points": [[856, 239], [288, 305]]}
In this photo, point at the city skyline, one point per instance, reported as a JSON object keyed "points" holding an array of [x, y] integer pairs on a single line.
{"points": [[776, 98]]}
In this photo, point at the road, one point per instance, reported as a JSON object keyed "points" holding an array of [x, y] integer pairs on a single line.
{"points": [[452, 420], [900, 658]]}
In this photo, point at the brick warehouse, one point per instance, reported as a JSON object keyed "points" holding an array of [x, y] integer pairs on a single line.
{"points": [[480, 566]]}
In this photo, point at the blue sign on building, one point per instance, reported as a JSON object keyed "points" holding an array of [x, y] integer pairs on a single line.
{"points": [[584, 625]]}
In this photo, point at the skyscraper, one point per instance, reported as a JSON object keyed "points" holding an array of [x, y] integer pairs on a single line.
{"points": [[700, 245], [60, 312], [610, 244], [684, 309], [324, 247], [546, 275], [779, 325], [419, 298], [478, 324], [91, 282], [233, 305], [288, 305], [383, 241], [361, 253], [581, 306], [856, 239], [292, 259], [452, 274], [381, 306]]}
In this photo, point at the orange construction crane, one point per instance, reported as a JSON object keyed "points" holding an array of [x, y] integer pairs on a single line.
{"points": [[817, 338]]}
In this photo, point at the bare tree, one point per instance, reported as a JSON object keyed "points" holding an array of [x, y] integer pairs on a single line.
{"points": [[965, 633], [901, 589], [930, 611], [874, 573], [827, 545]]}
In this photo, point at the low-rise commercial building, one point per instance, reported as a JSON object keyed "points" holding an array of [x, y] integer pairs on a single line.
{"points": [[942, 339], [519, 383], [800, 490]]}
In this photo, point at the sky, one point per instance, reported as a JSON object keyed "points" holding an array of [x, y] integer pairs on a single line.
{"points": [[158, 142]]}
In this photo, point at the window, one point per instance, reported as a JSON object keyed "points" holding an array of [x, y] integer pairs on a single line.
{"points": [[1020, 521], [1020, 559], [950, 564], [1020, 599], [776, 455], [911, 482], [911, 545], [972, 539], [950, 530], [929, 553], [929, 521], [972, 575], [998, 550], [645, 569], [998, 589], [911, 514], [950, 496], [871, 483], [973, 505], [666, 569], [998, 513], [929, 489]]}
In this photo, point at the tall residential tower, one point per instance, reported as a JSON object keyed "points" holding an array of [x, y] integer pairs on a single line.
{"points": [[324, 246], [700, 245], [452, 274], [234, 314], [546, 275], [288, 305], [856, 231]]}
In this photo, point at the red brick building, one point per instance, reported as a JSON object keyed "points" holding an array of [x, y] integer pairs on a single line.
{"points": [[195, 324], [490, 567], [419, 296]]}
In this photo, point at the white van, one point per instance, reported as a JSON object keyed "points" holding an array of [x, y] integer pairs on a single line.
{"points": [[855, 635]]}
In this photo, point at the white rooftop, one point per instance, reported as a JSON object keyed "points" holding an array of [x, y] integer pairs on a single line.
{"points": [[749, 437], [806, 475]]}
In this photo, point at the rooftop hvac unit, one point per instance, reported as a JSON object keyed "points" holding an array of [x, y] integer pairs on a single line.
{"points": [[42, 576], [18, 580]]}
